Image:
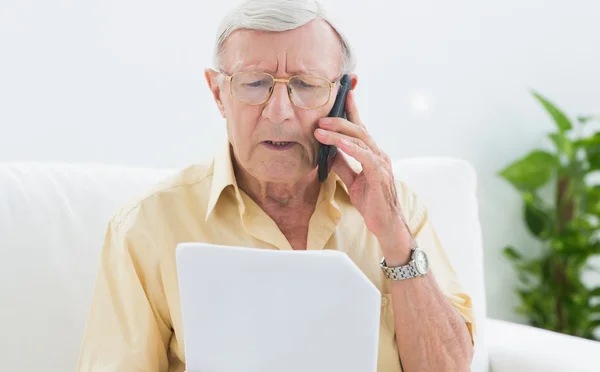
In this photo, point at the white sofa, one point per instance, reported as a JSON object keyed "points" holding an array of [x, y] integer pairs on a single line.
{"points": [[52, 222]]}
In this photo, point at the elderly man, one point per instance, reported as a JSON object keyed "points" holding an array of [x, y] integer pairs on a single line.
{"points": [[277, 70]]}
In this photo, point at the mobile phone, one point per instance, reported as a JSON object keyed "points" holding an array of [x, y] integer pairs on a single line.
{"points": [[339, 111]]}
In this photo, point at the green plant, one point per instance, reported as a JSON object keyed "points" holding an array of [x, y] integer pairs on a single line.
{"points": [[566, 223]]}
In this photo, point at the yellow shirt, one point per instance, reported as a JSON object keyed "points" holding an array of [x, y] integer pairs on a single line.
{"points": [[135, 321]]}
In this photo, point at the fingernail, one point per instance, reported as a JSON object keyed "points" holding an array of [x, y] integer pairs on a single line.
{"points": [[325, 121], [322, 132]]}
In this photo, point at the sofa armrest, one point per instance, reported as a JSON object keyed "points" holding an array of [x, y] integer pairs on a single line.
{"points": [[516, 347]]}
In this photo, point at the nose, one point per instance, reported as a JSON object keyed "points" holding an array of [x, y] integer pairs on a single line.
{"points": [[279, 108]]}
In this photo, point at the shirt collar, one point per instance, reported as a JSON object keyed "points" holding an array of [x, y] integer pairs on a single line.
{"points": [[224, 176]]}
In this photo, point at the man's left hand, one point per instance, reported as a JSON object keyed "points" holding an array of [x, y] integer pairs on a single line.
{"points": [[373, 190]]}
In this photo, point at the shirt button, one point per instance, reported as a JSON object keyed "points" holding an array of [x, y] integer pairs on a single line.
{"points": [[384, 301]]}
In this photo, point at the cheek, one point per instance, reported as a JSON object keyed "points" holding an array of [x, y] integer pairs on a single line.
{"points": [[310, 122], [241, 123]]}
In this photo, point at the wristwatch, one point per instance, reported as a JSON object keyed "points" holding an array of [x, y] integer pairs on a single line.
{"points": [[417, 266]]}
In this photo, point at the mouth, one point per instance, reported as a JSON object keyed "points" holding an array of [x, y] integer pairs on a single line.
{"points": [[279, 145]]}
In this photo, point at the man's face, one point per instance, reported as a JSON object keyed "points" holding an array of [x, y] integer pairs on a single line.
{"points": [[312, 49]]}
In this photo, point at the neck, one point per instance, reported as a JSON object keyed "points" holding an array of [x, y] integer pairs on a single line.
{"points": [[274, 197], [289, 204], [297, 194]]}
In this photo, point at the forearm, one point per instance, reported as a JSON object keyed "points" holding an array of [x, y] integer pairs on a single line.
{"points": [[431, 334]]}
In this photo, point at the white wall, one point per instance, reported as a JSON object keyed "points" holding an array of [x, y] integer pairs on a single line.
{"points": [[122, 82]]}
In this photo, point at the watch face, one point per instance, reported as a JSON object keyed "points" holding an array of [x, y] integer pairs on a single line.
{"points": [[421, 261]]}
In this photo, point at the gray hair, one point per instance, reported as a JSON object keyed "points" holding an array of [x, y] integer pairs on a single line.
{"points": [[277, 16]]}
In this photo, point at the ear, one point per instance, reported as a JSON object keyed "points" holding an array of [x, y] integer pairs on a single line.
{"points": [[212, 78], [353, 81]]}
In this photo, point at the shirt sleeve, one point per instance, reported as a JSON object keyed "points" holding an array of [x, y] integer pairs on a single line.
{"points": [[441, 268], [127, 328]]}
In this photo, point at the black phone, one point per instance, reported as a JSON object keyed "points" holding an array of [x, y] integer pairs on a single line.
{"points": [[339, 111]]}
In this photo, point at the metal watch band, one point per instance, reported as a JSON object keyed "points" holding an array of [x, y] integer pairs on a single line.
{"points": [[400, 273]]}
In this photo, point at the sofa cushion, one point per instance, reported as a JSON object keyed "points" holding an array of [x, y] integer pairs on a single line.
{"points": [[52, 223]]}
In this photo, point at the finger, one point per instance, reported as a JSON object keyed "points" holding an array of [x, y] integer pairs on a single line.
{"points": [[353, 147], [349, 129], [329, 137], [343, 169], [354, 117], [371, 164]]}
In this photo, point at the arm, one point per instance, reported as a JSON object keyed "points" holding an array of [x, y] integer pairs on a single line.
{"points": [[127, 329], [433, 328], [431, 335]]}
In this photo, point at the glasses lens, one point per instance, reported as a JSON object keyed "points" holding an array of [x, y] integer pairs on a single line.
{"points": [[251, 87], [309, 91]]}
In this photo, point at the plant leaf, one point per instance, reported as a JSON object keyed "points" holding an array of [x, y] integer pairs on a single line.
{"points": [[595, 292], [537, 220], [585, 119], [594, 248], [593, 200], [592, 150], [512, 254], [560, 119], [562, 143], [533, 267], [593, 325], [531, 171]]}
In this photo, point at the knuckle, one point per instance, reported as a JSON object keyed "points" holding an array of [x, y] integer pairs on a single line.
{"points": [[378, 162], [359, 143]]}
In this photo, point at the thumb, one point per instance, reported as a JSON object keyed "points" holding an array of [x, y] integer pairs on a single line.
{"points": [[343, 169]]}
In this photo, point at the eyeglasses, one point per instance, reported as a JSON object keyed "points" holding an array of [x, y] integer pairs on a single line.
{"points": [[256, 88]]}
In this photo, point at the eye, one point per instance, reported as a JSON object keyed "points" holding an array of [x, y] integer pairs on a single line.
{"points": [[255, 84], [304, 84]]}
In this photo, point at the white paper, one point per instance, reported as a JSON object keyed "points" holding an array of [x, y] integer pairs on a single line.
{"points": [[259, 310]]}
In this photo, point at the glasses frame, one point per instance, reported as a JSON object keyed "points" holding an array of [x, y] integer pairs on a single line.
{"points": [[228, 78]]}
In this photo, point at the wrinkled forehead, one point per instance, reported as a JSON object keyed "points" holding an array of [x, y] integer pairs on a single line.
{"points": [[314, 48]]}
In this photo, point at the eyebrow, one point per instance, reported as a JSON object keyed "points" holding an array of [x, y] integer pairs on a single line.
{"points": [[255, 67], [311, 72]]}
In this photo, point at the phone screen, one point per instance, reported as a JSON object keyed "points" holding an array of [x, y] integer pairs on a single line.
{"points": [[338, 110]]}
